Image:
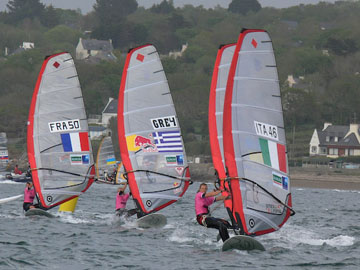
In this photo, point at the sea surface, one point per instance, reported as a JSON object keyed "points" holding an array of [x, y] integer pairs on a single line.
{"points": [[324, 234]]}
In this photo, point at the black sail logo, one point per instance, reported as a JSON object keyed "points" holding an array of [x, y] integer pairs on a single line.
{"points": [[164, 122]]}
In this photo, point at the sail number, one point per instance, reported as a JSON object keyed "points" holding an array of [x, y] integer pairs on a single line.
{"points": [[67, 125], [164, 122], [266, 130]]}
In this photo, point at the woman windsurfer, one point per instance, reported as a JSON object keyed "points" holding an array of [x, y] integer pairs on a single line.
{"points": [[203, 200], [29, 195]]}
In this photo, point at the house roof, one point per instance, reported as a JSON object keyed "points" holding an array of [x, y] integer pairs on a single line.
{"points": [[340, 132], [111, 107], [98, 45], [350, 140]]}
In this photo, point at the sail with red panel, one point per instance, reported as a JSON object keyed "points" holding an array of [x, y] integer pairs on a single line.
{"points": [[254, 138], [151, 145], [216, 108], [59, 148], [4, 154]]}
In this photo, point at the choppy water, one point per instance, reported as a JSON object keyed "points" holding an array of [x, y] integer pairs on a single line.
{"points": [[324, 234]]}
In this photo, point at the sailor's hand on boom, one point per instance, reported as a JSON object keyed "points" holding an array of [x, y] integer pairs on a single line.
{"points": [[221, 198], [212, 193]]}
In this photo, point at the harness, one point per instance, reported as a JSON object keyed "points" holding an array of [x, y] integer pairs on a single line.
{"points": [[201, 219]]}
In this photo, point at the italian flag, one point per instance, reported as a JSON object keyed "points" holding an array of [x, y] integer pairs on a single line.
{"points": [[273, 154]]}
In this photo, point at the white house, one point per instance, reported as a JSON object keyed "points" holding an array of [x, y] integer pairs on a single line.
{"points": [[25, 46], [95, 50], [28, 45], [335, 141]]}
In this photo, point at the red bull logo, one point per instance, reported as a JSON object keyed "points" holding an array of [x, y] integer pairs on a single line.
{"points": [[143, 141], [137, 142]]}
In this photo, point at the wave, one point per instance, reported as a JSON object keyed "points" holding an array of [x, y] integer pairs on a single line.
{"points": [[293, 235]]}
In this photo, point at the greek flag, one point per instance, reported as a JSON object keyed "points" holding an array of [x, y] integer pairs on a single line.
{"points": [[168, 141]]}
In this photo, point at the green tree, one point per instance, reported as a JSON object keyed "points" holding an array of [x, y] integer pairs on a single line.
{"points": [[300, 107], [341, 47], [113, 11], [164, 7], [21, 9], [112, 20], [244, 6], [50, 17]]}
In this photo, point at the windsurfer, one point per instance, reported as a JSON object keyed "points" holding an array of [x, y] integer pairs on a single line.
{"points": [[203, 200], [121, 200], [29, 195], [28, 172], [17, 170], [111, 177]]}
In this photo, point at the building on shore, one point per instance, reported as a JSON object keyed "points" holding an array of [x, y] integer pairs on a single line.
{"points": [[94, 50], [335, 141]]}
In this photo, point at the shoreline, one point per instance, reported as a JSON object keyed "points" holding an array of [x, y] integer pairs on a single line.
{"points": [[300, 177], [325, 178]]}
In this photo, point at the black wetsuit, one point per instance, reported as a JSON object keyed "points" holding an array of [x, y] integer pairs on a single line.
{"points": [[215, 223]]}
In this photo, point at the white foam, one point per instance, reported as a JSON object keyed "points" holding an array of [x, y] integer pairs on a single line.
{"points": [[345, 191], [70, 218], [180, 236], [291, 235], [195, 235], [340, 241], [80, 217], [11, 182]]}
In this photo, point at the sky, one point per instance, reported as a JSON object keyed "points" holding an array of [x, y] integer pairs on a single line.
{"points": [[86, 5]]}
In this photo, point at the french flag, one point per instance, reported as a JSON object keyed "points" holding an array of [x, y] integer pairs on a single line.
{"points": [[75, 142]]}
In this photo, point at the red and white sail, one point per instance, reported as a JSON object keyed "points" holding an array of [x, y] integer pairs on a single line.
{"points": [[254, 137], [151, 145], [59, 148]]}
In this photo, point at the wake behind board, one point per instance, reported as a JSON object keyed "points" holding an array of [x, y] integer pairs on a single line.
{"points": [[9, 199], [152, 221], [242, 242], [38, 212]]}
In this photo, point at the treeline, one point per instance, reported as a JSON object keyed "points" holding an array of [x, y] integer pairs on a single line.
{"points": [[317, 44]]}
